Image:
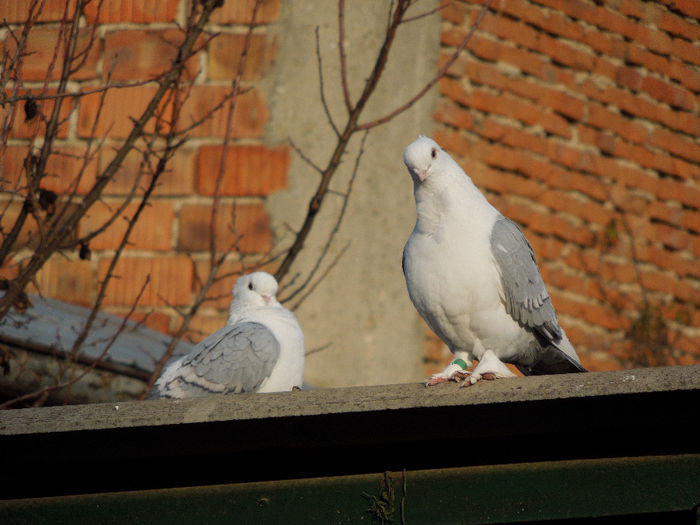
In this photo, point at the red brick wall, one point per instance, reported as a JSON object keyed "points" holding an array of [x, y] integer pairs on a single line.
{"points": [[581, 120], [170, 242]]}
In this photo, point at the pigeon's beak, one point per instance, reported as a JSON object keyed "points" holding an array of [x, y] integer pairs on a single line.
{"points": [[418, 175], [267, 298]]}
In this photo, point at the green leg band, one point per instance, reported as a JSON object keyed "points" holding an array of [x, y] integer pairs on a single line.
{"points": [[460, 363]]}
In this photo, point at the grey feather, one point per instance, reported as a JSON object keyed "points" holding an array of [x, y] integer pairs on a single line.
{"points": [[526, 298], [233, 359]]}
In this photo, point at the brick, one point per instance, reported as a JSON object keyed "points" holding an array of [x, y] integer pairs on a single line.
{"points": [[674, 24], [72, 281], [644, 12], [639, 55], [14, 11], [670, 236], [118, 108], [657, 281], [680, 192], [688, 7], [152, 231], [143, 54], [668, 93], [691, 221], [588, 211], [535, 91], [158, 321], [505, 183], [170, 280], [36, 126], [66, 167], [450, 113], [250, 170], [629, 78], [249, 117], [641, 107], [510, 136], [137, 11], [607, 44], [546, 248], [44, 55], [661, 210], [249, 222], [492, 50], [550, 21], [452, 12], [62, 169], [241, 11], [9, 213], [682, 265], [522, 110], [516, 32], [601, 117], [562, 53], [687, 75], [676, 144], [620, 195], [225, 53], [595, 314], [177, 179], [685, 51]]}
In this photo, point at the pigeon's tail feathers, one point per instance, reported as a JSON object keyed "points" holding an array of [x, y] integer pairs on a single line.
{"points": [[554, 357]]}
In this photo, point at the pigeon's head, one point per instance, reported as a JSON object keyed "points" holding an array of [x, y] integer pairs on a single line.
{"points": [[256, 289], [424, 157]]}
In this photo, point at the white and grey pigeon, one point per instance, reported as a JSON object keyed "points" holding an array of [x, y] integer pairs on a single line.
{"points": [[261, 349], [472, 276]]}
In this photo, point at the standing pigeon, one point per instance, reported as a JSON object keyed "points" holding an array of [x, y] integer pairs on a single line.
{"points": [[472, 275], [261, 349]]}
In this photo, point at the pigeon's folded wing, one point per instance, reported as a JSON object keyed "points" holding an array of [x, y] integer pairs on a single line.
{"points": [[524, 294], [233, 359], [526, 299]]}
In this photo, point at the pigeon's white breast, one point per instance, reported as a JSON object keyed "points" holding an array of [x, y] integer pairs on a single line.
{"points": [[451, 276], [289, 369]]}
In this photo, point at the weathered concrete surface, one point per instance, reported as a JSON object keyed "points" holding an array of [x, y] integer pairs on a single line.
{"points": [[362, 308], [347, 400], [143, 445]]}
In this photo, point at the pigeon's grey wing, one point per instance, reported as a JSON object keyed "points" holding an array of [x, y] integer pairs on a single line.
{"points": [[234, 359], [525, 296]]}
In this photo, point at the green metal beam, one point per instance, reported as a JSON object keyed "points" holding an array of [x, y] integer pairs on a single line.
{"points": [[524, 492]]}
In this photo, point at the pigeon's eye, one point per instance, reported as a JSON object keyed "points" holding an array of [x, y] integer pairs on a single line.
{"points": [[433, 153], [250, 286]]}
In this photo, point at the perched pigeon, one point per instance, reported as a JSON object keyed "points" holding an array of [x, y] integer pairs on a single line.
{"points": [[472, 275], [261, 349]]}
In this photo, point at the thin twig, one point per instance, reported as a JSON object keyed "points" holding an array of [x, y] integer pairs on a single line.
{"points": [[55, 238], [441, 73], [323, 275], [341, 50], [304, 157], [322, 89], [336, 226]]}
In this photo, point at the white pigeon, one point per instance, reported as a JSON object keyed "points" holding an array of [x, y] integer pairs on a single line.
{"points": [[472, 275], [261, 349]]}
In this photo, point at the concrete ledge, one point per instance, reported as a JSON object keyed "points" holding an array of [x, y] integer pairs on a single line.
{"points": [[346, 400], [349, 431]]}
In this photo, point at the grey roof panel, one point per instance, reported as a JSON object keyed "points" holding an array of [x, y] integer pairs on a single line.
{"points": [[55, 325]]}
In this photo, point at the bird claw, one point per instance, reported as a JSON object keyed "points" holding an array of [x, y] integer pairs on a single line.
{"points": [[457, 376], [472, 380]]}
